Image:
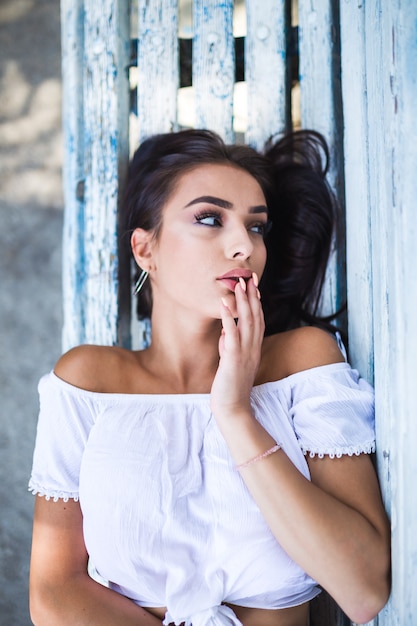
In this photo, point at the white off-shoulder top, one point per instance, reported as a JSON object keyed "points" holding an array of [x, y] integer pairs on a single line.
{"points": [[168, 520]]}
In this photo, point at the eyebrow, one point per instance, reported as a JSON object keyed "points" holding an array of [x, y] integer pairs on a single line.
{"points": [[224, 204]]}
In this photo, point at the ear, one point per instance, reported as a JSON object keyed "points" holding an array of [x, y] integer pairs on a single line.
{"points": [[141, 242]]}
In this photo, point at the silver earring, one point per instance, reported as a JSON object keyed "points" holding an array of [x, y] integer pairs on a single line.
{"points": [[140, 282]]}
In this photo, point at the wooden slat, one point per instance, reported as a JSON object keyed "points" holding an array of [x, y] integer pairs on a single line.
{"points": [[378, 44], [106, 47], [72, 50], [404, 168], [358, 218], [266, 70], [396, 235], [214, 66], [321, 110], [158, 67]]}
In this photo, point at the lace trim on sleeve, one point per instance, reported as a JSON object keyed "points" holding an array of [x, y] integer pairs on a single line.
{"points": [[365, 448], [51, 494]]}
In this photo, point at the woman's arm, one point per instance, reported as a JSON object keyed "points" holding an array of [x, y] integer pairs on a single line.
{"points": [[335, 526], [61, 591]]}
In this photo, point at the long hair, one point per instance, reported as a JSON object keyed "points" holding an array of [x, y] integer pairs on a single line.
{"points": [[304, 216], [292, 175]]}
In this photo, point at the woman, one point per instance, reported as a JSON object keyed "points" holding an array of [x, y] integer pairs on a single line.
{"points": [[221, 475]]}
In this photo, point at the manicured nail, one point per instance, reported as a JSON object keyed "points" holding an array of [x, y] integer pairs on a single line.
{"points": [[242, 283], [255, 279], [258, 293], [224, 301]]}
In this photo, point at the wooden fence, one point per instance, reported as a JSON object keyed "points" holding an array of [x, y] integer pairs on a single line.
{"points": [[355, 65]]}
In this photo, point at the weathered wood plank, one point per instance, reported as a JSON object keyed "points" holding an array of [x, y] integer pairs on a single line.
{"points": [[214, 66], [267, 70], [398, 165], [404, 168], [72, 51], [358, 219], [158, 67], [106, 59], [321, 109], [380, 194]]}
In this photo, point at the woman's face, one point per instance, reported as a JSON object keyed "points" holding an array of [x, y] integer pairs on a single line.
{"points": [[212, 232]]}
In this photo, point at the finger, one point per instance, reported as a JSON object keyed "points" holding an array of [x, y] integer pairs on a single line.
{"points": [[250, 314], [221, 343], [230, 331], [244, 312], [254, 299], [252, 291]]}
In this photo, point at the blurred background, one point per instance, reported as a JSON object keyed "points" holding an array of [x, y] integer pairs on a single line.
{"points": [[31, 208]]}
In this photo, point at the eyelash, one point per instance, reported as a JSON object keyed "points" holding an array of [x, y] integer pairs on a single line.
{"points": [[264, 228]]}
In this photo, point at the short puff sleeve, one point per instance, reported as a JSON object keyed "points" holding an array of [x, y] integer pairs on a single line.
{"points": [[66, 417], [333, 411]]}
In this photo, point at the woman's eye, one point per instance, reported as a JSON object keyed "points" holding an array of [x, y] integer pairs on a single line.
{"points": [[208, 219], [258, 229], [261, 229]]}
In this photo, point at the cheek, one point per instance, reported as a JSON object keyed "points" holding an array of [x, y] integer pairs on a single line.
{"points": [[178, 255]]}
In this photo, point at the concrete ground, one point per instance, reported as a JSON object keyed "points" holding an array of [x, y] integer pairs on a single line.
{"points": [[30, 266]]}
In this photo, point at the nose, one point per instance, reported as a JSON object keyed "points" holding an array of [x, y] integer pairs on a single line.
{"points": [[240, 245]]}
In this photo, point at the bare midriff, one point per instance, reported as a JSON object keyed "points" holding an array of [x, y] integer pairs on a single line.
{"points": [[294, 616]]}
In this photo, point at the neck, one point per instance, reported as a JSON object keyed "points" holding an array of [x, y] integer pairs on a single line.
{"points": [[184, 351]]}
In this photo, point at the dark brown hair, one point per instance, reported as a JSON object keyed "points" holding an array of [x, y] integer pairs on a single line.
{"points": [[292, 176], [304, 216]]}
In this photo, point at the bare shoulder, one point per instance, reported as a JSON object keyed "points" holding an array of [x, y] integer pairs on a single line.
{"points": [[309, 347], [299, 349], [95, 368]]}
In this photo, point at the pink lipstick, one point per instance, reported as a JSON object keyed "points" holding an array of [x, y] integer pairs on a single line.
{"points": [[230, 279]]}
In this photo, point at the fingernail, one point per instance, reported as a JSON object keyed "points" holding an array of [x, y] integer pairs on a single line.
{"points": [[258, 293], [224, 301], [242, 283], [255, 279]]}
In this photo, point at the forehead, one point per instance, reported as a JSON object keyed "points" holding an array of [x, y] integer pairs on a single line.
{"points": [[225, 181]]}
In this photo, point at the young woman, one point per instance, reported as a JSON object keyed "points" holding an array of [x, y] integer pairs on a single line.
{"points": [[222, 475]]}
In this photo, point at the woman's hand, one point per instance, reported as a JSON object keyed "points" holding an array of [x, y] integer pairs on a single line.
{"points": [[240, 352]]}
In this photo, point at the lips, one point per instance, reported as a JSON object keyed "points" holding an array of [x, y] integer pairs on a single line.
{"points": [[231, 278]]}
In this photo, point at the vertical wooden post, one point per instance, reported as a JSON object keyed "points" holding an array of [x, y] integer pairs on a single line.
{"points": [[72, 49], [397, 236], [321, 110], [380, 91], [214, 66], [358, 212], [95, 94], [106, 114], [379, 133], [267, 69], [404, 168], [158, 67]]}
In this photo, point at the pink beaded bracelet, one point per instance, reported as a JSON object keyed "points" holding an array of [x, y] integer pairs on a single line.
{"points": [[274, 448]]}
